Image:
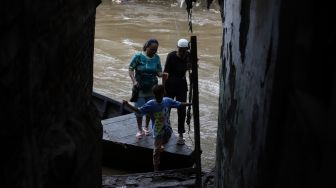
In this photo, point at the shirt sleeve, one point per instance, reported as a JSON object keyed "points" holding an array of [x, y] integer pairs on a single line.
{"points": [[173, 103], [145, 109], [133, 61]]}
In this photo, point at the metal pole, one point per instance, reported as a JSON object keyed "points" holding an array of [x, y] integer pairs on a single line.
{"points": [[195, 105]]}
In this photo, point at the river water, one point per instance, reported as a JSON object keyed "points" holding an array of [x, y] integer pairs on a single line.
{"points": [[123, 26]]}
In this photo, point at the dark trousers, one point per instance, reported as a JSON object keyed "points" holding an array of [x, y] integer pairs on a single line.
{"points": [[180, 96]]}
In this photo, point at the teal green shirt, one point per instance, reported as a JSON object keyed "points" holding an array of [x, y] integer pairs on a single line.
{"points": [[146, 70]]}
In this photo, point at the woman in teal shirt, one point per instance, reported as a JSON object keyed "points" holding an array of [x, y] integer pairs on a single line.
{"points": [[144, 68]]}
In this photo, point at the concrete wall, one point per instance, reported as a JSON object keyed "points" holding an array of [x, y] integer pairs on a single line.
{"points": [[50, 131], [277, 95]]}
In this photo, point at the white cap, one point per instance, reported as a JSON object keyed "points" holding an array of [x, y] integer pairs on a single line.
{"points": [[183, 43]]}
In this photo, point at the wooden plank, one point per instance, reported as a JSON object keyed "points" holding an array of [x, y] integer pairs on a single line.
{"points": [[123, 128], [195, 108], [121, 118], [178, 149], [121, 149]]}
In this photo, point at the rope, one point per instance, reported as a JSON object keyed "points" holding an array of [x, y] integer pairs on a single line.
{"points": [[190, 100], [191, 140], [189, 107], [189, 10]]}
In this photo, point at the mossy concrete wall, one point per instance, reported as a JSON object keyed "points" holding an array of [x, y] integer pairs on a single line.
{"points": [[277, 95], [50, 131]]}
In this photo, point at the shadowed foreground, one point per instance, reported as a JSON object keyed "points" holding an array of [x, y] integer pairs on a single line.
{"points": [[170, 178]]}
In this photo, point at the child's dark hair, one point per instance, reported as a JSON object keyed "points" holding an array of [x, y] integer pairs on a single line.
{"points": [[149, 42], [158, 90]]}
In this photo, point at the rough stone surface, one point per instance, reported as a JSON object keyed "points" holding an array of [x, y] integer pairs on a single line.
{"points": [[246, 79], [182, 178], [277, 95], [50, 133]]}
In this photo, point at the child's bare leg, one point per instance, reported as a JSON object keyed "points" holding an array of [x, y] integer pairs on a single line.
{"points": [[157, 153], [139, 122], [147, 121]]}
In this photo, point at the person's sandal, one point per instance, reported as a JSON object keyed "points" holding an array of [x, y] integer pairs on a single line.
{"points": [[180, 141], [146, 131], [139, 134]]}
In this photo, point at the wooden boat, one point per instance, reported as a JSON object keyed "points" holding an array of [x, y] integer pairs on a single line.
{"points": [[122, 150], [107, 107]]}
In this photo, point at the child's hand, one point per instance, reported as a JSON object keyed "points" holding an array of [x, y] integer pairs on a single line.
{"points": [[164, 75], [186, 104]]}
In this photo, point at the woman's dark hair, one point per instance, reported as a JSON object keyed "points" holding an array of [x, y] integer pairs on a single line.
{"points": [[149, 42]]}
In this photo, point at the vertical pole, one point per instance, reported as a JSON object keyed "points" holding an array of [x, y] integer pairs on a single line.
{"points": [[195, 105]]}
